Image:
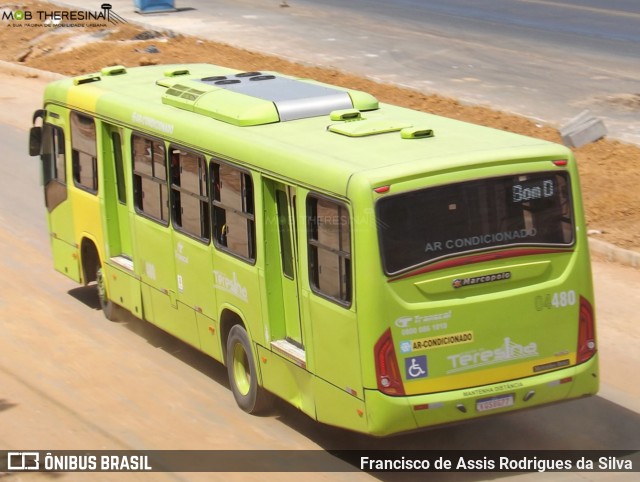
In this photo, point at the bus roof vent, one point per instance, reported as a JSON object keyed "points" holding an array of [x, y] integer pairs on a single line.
{"points": [[114, 70], [345, 115], [86, 79], [416, 133], [182, 96], [176, 72], [368, 127], [257, 98]]}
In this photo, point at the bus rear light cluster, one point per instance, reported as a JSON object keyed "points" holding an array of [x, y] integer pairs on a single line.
{"points": [[586, 332], [387, 371]]}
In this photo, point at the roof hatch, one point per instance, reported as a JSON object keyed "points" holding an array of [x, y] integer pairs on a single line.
{"points": [[354, 125], [255, 98]]}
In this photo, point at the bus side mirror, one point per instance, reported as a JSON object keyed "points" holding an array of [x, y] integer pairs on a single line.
{"points": [[35, 134], [35, 141]]}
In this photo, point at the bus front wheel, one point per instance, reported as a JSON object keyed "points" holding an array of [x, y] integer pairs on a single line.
{"points": [[242, 371]]}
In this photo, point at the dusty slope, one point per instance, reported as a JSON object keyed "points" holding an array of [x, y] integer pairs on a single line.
{"points": [[610, 170]]}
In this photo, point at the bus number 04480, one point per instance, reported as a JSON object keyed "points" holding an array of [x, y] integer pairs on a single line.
{"points": [[560, 299]]}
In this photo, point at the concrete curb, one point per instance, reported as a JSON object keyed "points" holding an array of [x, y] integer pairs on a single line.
{"points": [[612, 252], [11, 68]]}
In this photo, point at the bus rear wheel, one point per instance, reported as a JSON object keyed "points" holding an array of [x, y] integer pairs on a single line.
{"points": [[109, 308], [242, 371]]}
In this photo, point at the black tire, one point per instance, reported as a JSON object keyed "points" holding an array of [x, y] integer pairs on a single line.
{"points": [[242, 371], [109, 308]]}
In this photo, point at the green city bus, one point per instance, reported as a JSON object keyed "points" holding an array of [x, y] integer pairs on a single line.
{"points": [[379, 268]]}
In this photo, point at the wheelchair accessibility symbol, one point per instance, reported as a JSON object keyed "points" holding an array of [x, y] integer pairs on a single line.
{"points": [[416, 367]]}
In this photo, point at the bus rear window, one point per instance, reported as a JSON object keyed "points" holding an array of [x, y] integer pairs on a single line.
{"points": [[422, 226]]}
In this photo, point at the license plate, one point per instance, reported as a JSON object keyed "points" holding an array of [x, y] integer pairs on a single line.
{"points": [[494, 403]]}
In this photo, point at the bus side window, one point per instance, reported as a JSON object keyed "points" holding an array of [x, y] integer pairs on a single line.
{"points": [[233, 211], [116, 143], [189, 195], [150, 189], [83, 152], [329, 238]]}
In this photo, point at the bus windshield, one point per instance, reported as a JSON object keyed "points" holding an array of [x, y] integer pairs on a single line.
{"points": [[437, 222]]}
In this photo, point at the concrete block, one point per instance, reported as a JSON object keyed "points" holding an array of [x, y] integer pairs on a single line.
{"points": [[582, 129]]}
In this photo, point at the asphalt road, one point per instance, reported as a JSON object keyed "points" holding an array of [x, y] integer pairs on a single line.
{"points": [[69, 379], [545, 59]]}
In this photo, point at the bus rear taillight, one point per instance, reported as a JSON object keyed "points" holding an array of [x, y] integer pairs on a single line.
{"points": [[586, 332], [387, 371]]}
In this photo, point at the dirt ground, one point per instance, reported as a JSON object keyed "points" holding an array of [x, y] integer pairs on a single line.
{"points": [[610, 170]]}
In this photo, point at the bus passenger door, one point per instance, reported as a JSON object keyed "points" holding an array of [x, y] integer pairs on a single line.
{"points": [[122, 285], [282, 269], [55, 142], [115, 195]]}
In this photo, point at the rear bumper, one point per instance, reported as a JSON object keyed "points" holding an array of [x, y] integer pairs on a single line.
{"points": [[388, 415]]}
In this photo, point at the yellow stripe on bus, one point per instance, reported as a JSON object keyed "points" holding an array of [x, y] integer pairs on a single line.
{"points": [[482, 377]]}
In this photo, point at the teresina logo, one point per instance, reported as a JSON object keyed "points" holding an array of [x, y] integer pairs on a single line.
{"points": [[64, 16], [460, 282]]}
